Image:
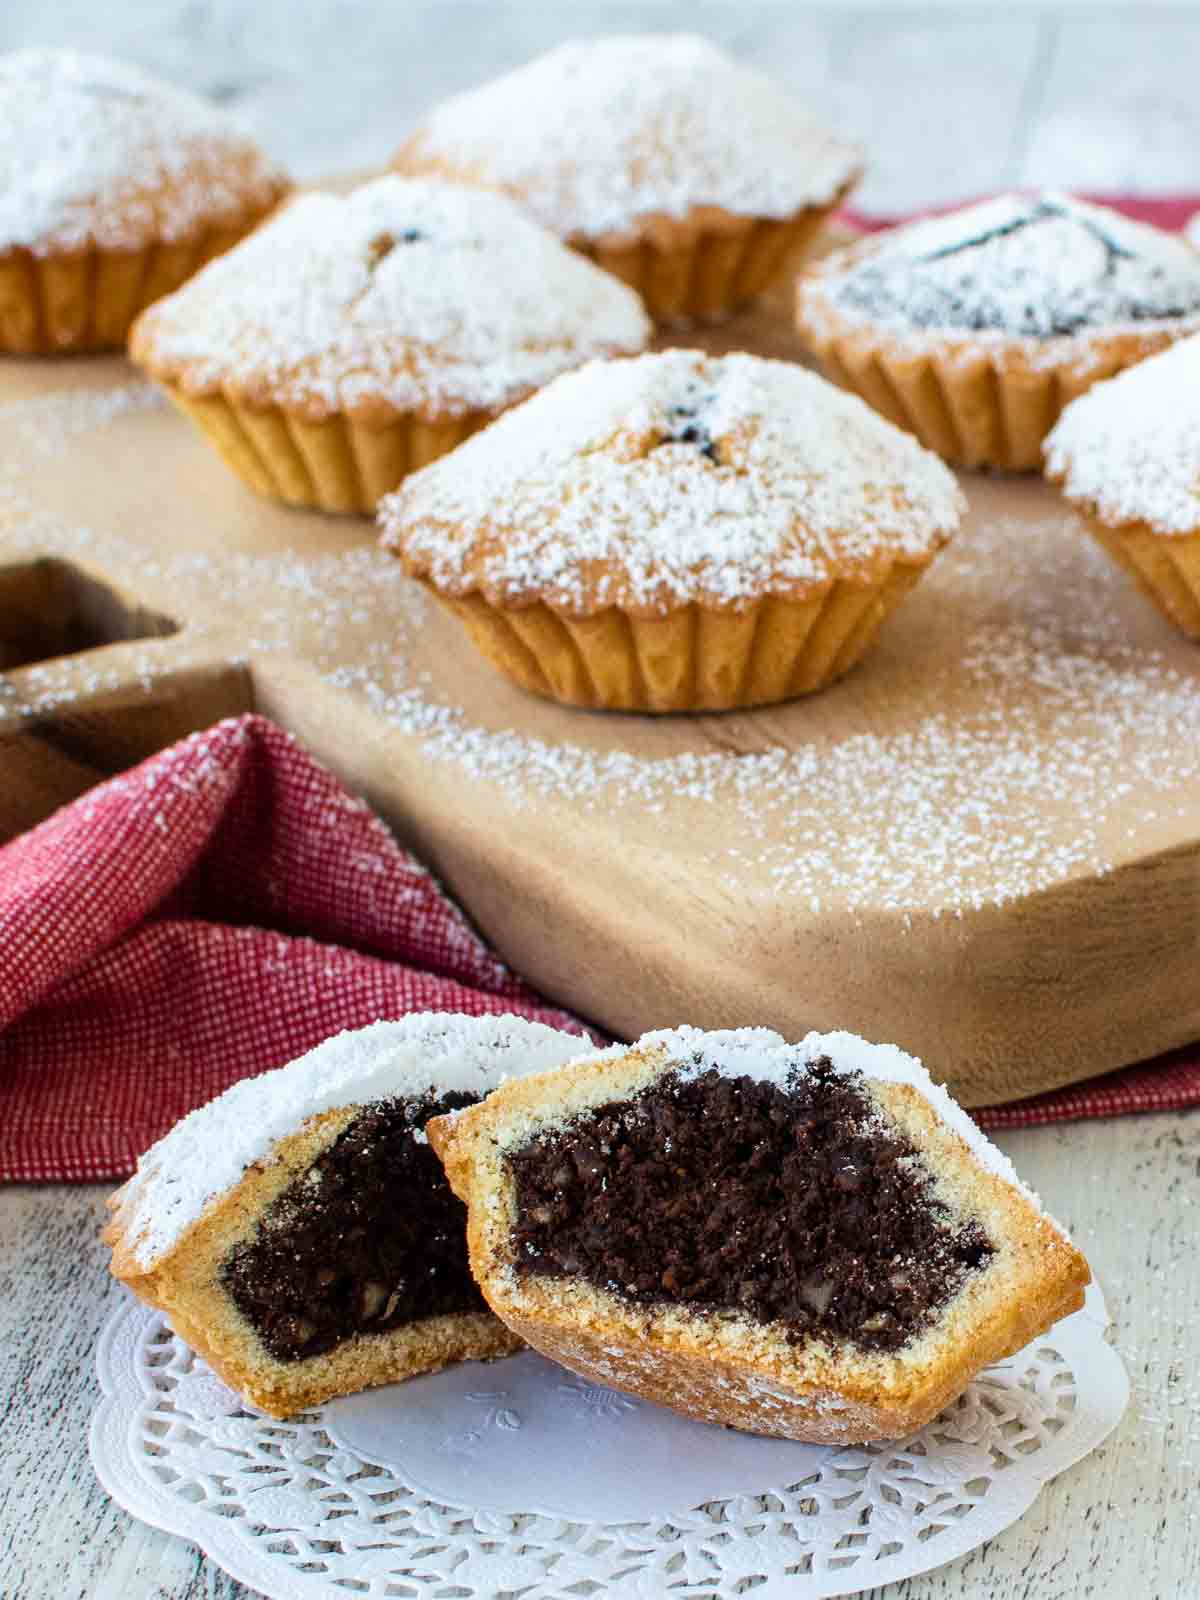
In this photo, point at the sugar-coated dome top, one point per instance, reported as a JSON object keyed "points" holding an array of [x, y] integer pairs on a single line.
{"points": [[672, 478], [97, 152], [1034, 267], [601, 132], [405, 294], [1129, 449]]}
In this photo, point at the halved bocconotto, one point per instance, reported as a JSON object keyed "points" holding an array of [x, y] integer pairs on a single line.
{"points": [[807, 1240], [298, 1231]]}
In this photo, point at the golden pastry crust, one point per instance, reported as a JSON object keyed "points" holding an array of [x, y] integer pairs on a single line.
{"points": [[1167, 571], [341, 464], [975, 406], [80, 302], [184, 1285], [698, 658], [726, 1368], [703, 267]]}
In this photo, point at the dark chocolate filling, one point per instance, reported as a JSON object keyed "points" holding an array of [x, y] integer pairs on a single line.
{"points": [[368, 1239], [686, 427], [799, 1206], [969, 302]]}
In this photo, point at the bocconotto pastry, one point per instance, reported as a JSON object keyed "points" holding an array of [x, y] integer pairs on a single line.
{"points": [[808, 1240], [359, 336], [974, 330], [677, 533], [114, 188], [298, 1231], [1127, 455], [692, 177]]}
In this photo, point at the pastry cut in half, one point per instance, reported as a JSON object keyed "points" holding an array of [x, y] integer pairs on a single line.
{"points": [[677, 533], [358, 336], [298, 1232], [974, 330], [114, 189], [692, 177], [1127, 455], [807, 1240]]}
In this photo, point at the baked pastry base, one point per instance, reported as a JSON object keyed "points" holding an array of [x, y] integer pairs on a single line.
{"points": [[332, 464], [976, 406], [1166, 570], [701, 272], [696, 658], [84, 301], [725, 1368]]}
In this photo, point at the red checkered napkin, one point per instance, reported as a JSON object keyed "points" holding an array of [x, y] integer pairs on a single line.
{"points": [[222, 908], [215, 912]]}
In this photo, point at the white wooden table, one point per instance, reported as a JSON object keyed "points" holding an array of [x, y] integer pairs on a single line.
{"points": [[950, 101]]}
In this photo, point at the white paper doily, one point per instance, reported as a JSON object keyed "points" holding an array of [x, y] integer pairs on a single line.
{"points": [[519, 1479]]}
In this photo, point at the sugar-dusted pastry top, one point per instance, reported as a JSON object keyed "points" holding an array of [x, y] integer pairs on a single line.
{"points": [[96, 152], [426, 1052], [1129, 449], [406, 294], [601, 132], [1029, 267], [673, 478]]}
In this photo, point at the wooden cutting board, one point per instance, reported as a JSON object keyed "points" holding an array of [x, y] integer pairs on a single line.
{"points": [[983, 845]]}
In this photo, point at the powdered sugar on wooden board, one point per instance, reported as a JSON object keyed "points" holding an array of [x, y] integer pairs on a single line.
{"points": [[423, 1053], [1080, 741], [408, 293], [601, 132], [97, 152], [1130, 448], [673, 478], [1045, 270]]}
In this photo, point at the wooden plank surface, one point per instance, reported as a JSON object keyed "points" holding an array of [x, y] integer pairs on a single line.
{"points": [[1072, 95], [935, 850]]}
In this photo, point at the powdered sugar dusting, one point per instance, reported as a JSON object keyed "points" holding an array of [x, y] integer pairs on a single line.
{"points": [[1130, 448], [601, 132], [97, 152], [672, 478], [410, 293], [1037, 269], [426, 1052]]}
